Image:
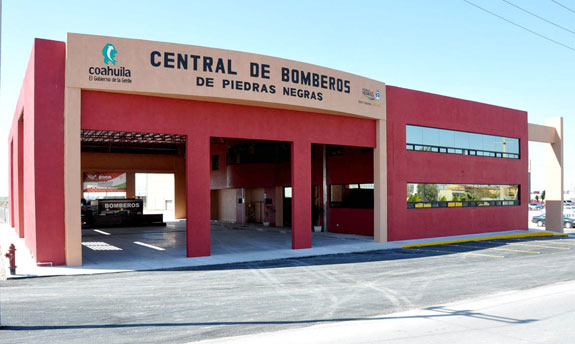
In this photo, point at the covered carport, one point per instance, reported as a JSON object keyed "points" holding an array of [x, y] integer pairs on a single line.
{"points": [[198, 93], [199, 121]]}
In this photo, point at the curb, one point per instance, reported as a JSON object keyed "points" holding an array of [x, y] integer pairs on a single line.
{"points": [[495, 237]]}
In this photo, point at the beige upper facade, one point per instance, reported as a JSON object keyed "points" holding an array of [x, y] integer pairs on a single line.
{"points": [[176, 70]]}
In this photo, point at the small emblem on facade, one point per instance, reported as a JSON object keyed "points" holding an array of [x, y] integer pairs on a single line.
{"points": [[109, 53]]}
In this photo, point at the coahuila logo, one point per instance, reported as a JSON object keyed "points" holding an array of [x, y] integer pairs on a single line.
{"points": [[104, 73], [109, 53]]}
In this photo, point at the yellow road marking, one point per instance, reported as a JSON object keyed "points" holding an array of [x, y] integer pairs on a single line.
{"points": [[496, 237], [532, 245], [495, 248], [451, 252]]}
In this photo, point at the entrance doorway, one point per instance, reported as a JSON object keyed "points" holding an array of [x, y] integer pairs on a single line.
{"points": [[247, 181], [157, 190], [134, 187]]}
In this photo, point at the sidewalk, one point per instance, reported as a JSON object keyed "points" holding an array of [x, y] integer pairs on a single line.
{"points": [[154, 248]]}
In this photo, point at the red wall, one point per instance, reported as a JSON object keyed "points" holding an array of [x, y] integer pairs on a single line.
{"points": [[256, 175], [418, 108], [351, 221], [126, 112], [354, 166], [38, 154]]}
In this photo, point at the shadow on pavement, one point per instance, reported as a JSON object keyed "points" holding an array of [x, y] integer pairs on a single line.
{"points": [[443, 312]]}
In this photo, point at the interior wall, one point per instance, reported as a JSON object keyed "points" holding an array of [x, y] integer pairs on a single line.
{"points": [[248, 175], [224, 205], [256, 195]]}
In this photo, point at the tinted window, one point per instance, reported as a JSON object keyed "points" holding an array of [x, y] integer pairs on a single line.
{"points": [[428, 195], [351, 196], [428, 139]]}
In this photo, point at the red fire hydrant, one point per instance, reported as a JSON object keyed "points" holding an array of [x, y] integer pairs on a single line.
{"points": [[11, 255]]}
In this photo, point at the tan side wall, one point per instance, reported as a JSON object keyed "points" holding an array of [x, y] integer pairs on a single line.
{"points": [[180, 189], [72, 177], [255, 194], [223, 205], [227, 208], [541, 133], [554, 177]]}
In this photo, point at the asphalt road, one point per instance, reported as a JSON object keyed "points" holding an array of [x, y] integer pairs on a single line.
{"points": [[538, 315], [241, 299]]}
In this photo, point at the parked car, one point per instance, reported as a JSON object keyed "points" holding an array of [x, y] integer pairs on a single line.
{"points": [[568, 222], [535, 206]]}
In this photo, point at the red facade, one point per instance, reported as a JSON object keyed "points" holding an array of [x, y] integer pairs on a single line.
{"points": [[37, 157], [418, 108]]}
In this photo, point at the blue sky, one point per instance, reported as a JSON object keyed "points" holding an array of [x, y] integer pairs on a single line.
{"points": [[447, 47]]}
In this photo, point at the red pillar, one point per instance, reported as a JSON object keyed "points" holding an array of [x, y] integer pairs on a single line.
{"points": [[19, 180], [11, 178], [198, 195], [301, 194], [44, 155]]}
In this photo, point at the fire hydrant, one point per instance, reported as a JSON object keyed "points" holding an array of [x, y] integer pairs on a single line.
{"points": [[11, 255]]}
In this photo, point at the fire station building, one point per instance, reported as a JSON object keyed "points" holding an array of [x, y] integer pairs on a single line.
{"points": [[252, 138]]}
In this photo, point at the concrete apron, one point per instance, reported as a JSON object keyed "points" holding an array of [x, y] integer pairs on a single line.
{"points": [[110, 250]]}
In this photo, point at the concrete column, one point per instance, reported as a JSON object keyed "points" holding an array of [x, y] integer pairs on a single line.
{"points": [[554, 177], [324, 193], [301, 194], [380, 183], [130, 184], [72, 176], [198, 195], [270, 209], [279, 200], [180, 188], [240, 207]]}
